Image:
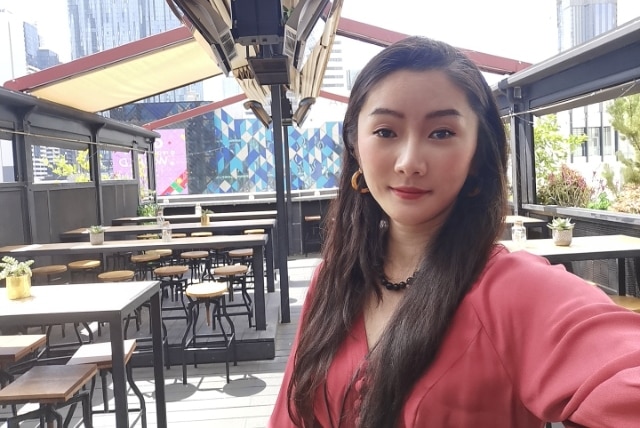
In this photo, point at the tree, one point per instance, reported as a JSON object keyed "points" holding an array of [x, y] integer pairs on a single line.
{"points": [[625, 118], [551, 147], [77, 171]]}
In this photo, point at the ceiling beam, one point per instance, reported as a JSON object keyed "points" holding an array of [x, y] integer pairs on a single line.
{"points": [[381, 37]]}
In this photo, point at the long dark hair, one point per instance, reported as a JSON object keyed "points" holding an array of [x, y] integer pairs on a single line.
{"points": [[355, 245]]}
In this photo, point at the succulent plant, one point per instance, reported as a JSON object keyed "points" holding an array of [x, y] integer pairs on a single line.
{"points": [[96, 229], [12, 267], [560, 223]]}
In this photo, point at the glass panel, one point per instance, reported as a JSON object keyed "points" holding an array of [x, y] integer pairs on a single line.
{"points": [[143, 171], [594, 141], [7, 169], [54, 164], [115, 165], [607, 141]]}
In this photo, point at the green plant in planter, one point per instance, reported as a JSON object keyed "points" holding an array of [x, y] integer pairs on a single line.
{"points": [[147, 210], [12, 267], [560, 223], [96, 229]]}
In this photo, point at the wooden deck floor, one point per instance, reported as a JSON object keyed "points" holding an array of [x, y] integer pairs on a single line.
{"points": [[207, 400]]}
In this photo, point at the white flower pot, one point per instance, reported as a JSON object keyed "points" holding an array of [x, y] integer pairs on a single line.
{"points": [[96, 238], [562, 237]]}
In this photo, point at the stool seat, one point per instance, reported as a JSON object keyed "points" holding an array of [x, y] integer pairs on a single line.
{"points": [[178, 235], [254, 232], [148, 236], [15, 347], [162, 252], [143, 258], [242, 252], [194, 254], [116, 276], [627, 302], [48, 270], [171, 270], [84, 264], [100, 354], [206, 290], [231, 270], [48, 384], [312, 218], [201, 234]]}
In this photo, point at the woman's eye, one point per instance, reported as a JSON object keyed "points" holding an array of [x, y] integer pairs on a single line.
{"points": [[384, 133], [441, 134]]}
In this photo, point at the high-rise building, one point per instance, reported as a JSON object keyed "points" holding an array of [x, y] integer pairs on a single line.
{"points": [[581, 20], [12, 46], [335, 77], [97, 25], [578, 22]]}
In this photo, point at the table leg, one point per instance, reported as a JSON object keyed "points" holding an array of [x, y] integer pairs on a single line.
{"points": [[118, 372], [622, 277], [271, 287], [258, 291], [158, 360]]}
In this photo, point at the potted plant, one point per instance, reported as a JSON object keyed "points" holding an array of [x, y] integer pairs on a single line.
{"points": [[96, 234], [18, 277], [561, 231], [204, 217]]}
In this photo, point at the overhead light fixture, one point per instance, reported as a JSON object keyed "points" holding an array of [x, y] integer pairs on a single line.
{"points": [[257, 109], [303, 110], [270, 71]]}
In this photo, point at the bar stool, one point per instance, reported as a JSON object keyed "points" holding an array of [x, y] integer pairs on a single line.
{"points": [[209, 293], [178, 235], [201, 234], [235, 275], [143, 264], [148, 236], [171, 277], [81, 269], [52, 387], [166, 255], [100, 355], [243, 256], [195, 260], [50, 274], [116, 276], [254, 232]]}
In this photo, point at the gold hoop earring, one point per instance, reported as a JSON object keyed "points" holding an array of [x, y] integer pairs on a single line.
{"points": [[355, 184]]}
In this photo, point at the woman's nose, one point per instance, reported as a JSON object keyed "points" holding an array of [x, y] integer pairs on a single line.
{"points": [[411, 159]]}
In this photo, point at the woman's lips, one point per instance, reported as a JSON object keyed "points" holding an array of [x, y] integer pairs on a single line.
{"points": [[409, 192]]}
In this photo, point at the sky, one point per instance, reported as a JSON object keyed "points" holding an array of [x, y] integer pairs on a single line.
{"points": [[518, 29]]}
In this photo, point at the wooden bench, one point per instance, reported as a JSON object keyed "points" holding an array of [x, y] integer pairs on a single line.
{"points": [[52, 387]]}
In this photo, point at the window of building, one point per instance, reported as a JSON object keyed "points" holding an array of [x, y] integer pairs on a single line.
{"points": [[607, 142], [7, 167], [593, 140], [580, 153], [116, 165], [56, 164]]}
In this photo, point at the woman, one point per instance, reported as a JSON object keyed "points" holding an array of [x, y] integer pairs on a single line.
{"points": [[416, 317]]}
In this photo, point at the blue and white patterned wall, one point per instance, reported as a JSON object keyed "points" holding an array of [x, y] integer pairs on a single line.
{"points": [[244, 158]]}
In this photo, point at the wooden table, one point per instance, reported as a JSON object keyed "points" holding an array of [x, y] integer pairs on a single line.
{"points": [[189, 218], [102, 302], [600, 247], [256, 242], [231, 226]]}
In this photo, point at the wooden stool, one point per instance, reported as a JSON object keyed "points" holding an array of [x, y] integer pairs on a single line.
{"points": [[178, 235], [143, 264], [148, 236], [52, 387], [171, 277], [100, 355], [166, 254], [254, 232], [194, 260], [50, 274], [243, 256], [209, 293], [628, 302], [82, 268], [201, 234], [236, 275], [116, 276]]}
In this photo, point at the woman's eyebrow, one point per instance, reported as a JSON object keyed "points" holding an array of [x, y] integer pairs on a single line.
{"points": [[431, 115]]}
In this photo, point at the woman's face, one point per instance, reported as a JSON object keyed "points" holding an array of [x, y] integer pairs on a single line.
{"points": [[417, 136]]}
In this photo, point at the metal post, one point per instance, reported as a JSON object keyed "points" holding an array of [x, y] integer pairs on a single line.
{"points": [[283, 230]]}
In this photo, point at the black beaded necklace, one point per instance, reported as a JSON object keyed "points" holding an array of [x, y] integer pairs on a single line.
{"points": [[396, 286]]}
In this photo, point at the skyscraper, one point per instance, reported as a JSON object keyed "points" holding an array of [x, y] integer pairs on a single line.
{"points": [[97, 25], [581, 20]]}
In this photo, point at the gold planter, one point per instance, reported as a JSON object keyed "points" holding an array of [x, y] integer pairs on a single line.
{"points": [[204, 220], [18, 287]]}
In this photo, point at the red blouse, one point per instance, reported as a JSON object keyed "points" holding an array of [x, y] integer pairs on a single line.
{"points": [[529, 343]]}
